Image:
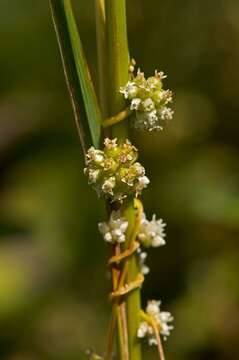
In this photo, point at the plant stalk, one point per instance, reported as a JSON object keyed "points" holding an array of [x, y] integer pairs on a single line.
{"points": [[117, 118], [118, 308], [114, 74], [118, 65], [152, 322], [118, 60]]}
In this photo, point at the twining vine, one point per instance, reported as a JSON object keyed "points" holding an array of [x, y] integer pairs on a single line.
{"points": [[117, 176], [112, 166]]}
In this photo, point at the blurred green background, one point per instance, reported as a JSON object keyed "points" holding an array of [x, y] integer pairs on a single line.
{"points": [[53, 277]]}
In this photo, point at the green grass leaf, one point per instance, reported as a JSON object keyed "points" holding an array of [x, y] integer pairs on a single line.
{"points": [[76, 70]]}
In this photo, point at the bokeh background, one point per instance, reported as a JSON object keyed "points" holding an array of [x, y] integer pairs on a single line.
{"points": [[53, 277]]}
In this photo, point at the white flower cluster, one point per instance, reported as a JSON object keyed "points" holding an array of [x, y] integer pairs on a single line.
{"points": [[162, 320], [149, 100], [114, 172], [114, 230], [151, 233]]}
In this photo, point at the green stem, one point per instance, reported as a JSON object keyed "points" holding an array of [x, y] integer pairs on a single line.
{"points": [[118, 64], [122, 115], [118, 60], [133, 300], [118, 313], [114, 74], [118, 309]]}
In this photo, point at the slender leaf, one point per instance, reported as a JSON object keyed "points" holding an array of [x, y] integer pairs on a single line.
{"points": [[76, 69], [102, 56]]}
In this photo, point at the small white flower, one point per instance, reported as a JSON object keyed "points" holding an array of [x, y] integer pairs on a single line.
{"points": [[95, 155], [145, 270], [142, 330], [129, 90], [140, 170], [110, 143], [152, 341], [153, 307], [114, 230], [167, 96], [162, 320], [147, 121], [152, 233], [154, 82], [132, 65], [166, 113], [160, 74], [148, 105], [165, 318], [99, 158], [143, 181], [135, 103], [108, 237], [162, 97], [93, 175], [153, 121], [109, 185], [142, 255], [140, 75]]}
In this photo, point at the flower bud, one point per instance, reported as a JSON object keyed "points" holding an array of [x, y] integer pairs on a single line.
{"points": [[151, 233], [148, 99], [162, 319], [114, 230], [114, 172]]}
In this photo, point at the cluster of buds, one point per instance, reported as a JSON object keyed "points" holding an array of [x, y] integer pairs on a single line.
{"points": [[162, 320], [142, 255], [148, 99], [114, 172], [114, 230], [151, 233]]}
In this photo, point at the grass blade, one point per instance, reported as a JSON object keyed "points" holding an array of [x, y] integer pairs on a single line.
{"points": [[76, 70]]}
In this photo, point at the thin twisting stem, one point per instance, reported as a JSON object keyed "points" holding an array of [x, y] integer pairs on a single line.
{"points": [[128, 287], [117, 312], [125, 330], [133, 298], [112, 324], [159, 344], [121, 288], [117, 118], [150, 320], [128, 252]]}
